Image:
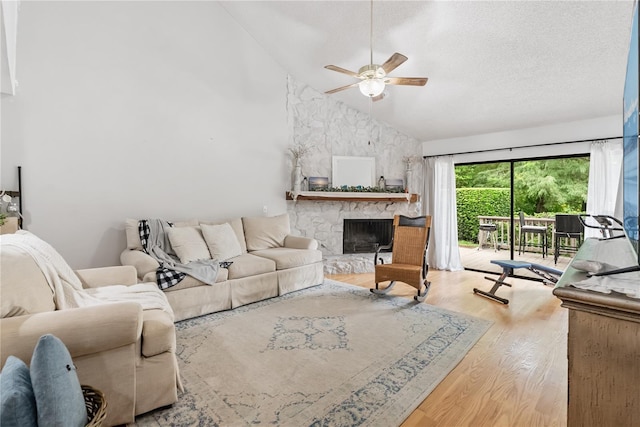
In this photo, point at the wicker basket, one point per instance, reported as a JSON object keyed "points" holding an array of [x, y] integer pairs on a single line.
{"points": [[96, 406]]}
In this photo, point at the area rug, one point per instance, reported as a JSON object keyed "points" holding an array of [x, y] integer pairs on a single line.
{"points": [[331, 355]]}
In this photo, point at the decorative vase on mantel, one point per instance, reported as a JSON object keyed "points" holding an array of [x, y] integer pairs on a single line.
{"points": [[297, 178], [409, 185]]}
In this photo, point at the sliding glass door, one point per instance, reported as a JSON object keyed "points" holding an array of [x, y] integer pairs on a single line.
{"points": [[544, 190], [507, 210], [483, 195]]}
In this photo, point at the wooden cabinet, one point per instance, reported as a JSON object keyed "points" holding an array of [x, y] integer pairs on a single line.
{"points": [[603, 343]]}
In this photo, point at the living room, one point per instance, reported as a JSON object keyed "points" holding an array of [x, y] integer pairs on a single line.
{"points": [[175, 110], [127, 97]]}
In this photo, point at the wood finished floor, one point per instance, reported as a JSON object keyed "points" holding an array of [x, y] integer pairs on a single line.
{"points": [[516, 375]]}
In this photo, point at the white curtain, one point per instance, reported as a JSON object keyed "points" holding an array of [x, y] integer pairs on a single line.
{"points": [[605, 167], [439, 197]]}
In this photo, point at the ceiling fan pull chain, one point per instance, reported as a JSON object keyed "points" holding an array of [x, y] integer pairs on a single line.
{"points": [[370, 120], [371, 36]]}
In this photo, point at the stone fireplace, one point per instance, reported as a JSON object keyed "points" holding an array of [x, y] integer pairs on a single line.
{"points": [[324, 220], [333, 129]]}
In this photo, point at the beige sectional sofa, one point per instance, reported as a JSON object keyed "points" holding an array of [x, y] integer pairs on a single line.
{"points": [[117, 347], [268, 261]]}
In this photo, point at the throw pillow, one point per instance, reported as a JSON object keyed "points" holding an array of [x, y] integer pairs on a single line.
{"points": [[236, 225], [266, 232], [222, 241], [133, 235], [59, 398], [18, 404], [188, 244]]}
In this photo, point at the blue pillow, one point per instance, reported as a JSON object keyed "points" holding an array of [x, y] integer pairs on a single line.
{"points": [[59, 397], [18, 404]]}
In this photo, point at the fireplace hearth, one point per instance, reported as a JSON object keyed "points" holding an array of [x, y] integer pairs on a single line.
{"points": [[363, 235]]}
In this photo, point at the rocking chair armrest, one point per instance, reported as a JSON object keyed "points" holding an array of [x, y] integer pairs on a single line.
{"points": [[379, 247]]}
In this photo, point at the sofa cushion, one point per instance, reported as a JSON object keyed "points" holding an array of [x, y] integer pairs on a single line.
{"points": [[188, 244], [266, 232], [247, 265], [17, 401], [158, 333], [290, 258], [236, 224], [59, 398], [221, 241], [23, 287]]}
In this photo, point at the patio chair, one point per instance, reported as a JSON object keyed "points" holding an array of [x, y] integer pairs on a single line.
{"points": [[408, 258], [567, 227], [533, 229], [487, 232]]}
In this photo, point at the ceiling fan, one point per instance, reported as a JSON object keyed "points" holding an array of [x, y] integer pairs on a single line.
{"points": [[373, 77]]}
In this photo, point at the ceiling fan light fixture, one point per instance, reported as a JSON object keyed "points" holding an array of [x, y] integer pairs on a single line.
{"points": [[371, 87], [373, 77]]}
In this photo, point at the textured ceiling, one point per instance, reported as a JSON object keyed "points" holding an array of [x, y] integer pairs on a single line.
{"points": [[492, 66]]}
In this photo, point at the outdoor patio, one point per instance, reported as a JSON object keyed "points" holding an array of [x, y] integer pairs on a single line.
{"points": [[475, 259]]}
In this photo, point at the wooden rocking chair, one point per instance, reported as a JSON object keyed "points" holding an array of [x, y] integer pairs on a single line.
{"points": [[408, 259]]}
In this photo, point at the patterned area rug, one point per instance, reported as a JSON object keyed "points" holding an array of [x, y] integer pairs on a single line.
{"points": [[331, 355]]}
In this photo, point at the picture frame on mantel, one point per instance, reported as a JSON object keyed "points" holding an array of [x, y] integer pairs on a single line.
{"points": [[353, 171]]}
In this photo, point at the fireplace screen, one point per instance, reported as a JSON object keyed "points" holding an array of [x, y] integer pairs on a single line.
{"points": [[362, 235]]}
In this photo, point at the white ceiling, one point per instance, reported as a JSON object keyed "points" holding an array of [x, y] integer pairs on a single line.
{"points": [[492, 65]]}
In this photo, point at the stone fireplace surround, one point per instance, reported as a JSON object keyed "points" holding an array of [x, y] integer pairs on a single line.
{"points": [[331, 128], [323, 221]]}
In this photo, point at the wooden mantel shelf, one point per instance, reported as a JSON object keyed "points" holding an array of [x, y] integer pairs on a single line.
{"points": [[343, 196]]}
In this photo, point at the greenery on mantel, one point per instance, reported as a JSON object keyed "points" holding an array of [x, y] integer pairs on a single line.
{"points": [[360, 189], [3, 217]]}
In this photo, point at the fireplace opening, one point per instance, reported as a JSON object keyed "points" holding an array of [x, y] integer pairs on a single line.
{"points": [[362, 235]]}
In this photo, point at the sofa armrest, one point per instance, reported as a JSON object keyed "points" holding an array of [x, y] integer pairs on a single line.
{"points": [[106, 276], [298, 242], [86, 330], [158, 333], [142, 262]]}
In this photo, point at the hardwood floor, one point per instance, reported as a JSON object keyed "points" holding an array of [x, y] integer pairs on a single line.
{"points": [[516, 375]]}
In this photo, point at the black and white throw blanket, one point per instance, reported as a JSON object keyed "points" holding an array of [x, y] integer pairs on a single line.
{"points": [[155, 242]]}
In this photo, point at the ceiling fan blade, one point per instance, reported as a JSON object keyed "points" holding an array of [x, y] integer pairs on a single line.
{"points": [[393, 62], [341, 70], [410, 81], [341, 88]]}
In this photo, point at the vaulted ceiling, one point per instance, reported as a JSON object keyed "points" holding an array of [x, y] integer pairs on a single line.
{"points": [[492, 65]]}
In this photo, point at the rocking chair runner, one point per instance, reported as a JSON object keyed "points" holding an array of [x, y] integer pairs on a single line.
{"points": [[408, 259]]}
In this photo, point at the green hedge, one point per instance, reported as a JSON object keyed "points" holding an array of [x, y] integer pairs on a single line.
{"points": [[472, 202]]}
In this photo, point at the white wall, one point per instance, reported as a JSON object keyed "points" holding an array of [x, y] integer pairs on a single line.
{"points": [[9, 28], [602, 127], [140, 109]]}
